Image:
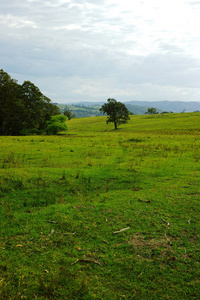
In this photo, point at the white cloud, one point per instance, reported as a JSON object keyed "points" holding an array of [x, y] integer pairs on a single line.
{"points": [[86, 50], [16, 22]]}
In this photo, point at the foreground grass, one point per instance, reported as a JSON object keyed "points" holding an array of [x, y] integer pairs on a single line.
{"points": [[64, 200]]}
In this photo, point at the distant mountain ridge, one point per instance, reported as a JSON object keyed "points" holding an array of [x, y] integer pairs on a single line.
{"points": [[174, 106], [91, 109]]}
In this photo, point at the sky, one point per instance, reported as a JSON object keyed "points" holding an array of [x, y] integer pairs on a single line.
{"points": [[92, 50]]}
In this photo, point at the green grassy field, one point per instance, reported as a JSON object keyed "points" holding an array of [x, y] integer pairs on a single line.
{"points": [[100, 213]]}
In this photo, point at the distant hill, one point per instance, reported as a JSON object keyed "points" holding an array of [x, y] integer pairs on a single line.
{"points": [[82, 111], [174, 106], [91, 109], [139, 110]]}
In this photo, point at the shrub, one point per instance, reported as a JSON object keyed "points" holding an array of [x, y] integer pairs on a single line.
{"points": [[56, 124]]}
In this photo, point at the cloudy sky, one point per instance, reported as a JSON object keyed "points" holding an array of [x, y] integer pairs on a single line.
{"points": [[91, 50]]}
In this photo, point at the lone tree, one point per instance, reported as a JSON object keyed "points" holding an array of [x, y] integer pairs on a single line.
{"points": [[116, 111], [68, 113], [151, 111]]}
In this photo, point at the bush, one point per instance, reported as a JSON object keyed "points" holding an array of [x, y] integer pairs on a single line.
{"points": [[56, 124]]}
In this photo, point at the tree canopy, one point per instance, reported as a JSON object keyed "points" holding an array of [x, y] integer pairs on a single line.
{"points": [[151, 111], [56, 124], [23, 108], [69, 114], [116, 111]]}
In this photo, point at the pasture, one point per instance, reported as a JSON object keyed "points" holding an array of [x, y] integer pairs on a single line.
{"points": [[99, 213]]}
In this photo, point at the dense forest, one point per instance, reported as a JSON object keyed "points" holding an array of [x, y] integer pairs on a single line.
{"points": [[23, 108]]}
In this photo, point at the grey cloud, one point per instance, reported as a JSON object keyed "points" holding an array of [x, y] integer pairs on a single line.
{"points": [[164, 69], [170, 48], [77, 50], [43, 60]]}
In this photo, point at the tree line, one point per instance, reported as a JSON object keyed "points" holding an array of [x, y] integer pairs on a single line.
{"points": [[23, 108]]}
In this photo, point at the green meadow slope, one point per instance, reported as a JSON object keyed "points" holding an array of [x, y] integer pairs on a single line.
{"points": [[99, 213]]}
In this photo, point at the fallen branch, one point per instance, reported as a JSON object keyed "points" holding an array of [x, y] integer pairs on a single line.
{"points": [[146, 201], [74, 262], [69, 233], [168, 240], [52, 232], [53, 222], [121, 230], [105, 242], [44, 253]]}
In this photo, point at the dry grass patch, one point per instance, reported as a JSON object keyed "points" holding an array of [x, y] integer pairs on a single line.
{"points": [[140, 241]]}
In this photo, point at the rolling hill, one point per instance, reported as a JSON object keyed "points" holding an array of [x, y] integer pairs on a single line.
{"points": [[91, 109]]}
